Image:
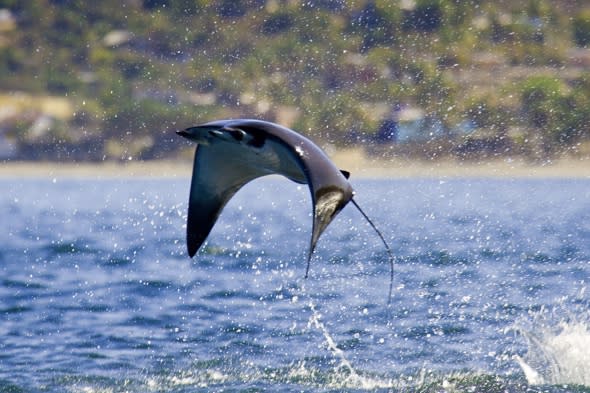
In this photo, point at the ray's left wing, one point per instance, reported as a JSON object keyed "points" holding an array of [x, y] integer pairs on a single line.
{"points": [[216, 178]]}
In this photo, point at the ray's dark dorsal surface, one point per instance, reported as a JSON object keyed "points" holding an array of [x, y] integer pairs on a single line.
{"points": [[231, 153]]}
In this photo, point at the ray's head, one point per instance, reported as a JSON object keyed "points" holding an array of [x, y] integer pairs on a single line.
{"points": [[200, 134], [225, 132]]}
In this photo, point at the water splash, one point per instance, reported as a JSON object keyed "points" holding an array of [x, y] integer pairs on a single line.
{"points": [[348, 376], [558, 348], [559, 355]]}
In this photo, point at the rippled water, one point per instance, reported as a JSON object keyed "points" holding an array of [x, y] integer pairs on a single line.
{"points": [[97, 293]]}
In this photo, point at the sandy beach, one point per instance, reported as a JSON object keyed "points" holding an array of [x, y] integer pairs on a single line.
{"points": [[354, 160]]}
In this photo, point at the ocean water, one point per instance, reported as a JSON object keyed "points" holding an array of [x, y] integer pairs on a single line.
{"points": [[97, 293]]}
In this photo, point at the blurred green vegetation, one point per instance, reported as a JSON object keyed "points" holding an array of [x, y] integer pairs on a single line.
{"points": [[135, 70]]}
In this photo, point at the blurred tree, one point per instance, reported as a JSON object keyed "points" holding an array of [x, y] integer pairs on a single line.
{"points": [[581, 28], [277, 22], [577, 110], [376, 22], [544, 104], [155, 4], [426, 15]]}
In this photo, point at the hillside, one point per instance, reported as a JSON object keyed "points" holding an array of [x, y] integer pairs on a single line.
{"points": [[112, 79]]}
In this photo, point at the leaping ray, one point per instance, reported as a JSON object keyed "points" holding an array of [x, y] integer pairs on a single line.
{"points": [[230, 153]]}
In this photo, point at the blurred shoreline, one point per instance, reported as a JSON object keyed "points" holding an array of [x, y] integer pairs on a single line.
{"points": [[354, 160]]}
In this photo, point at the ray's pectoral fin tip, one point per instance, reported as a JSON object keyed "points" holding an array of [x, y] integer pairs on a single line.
{"points": [[231, 153], [192, 249]]}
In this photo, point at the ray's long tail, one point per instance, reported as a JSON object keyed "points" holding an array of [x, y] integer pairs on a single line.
{"points": [[384, 243]]}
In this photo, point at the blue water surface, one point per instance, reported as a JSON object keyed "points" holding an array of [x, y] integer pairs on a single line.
{"points": [[97, 292]]}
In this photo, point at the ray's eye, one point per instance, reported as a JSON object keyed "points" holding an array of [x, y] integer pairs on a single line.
{"points": [[257, 141], [237, 134]]}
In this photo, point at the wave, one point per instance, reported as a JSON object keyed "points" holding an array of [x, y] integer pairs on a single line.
{"points": [[299, 376]]}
